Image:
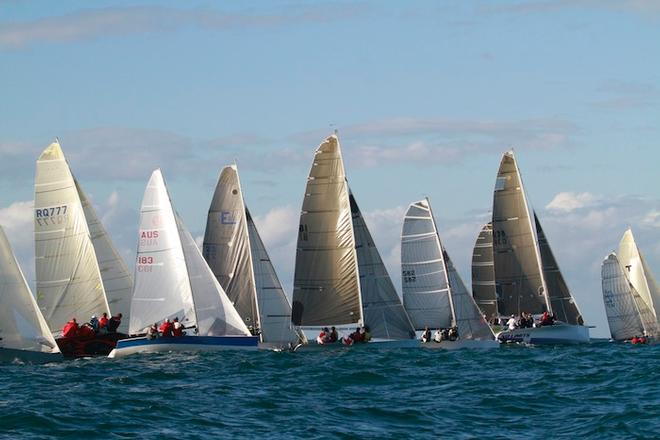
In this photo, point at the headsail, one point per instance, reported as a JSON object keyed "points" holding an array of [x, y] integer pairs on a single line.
{"points": [[162, 287], [483, 273], [519, 279], [627, 313], [274, 307], [22, 326], [227, 246], [326, 288], [469, 319], [382, 309], [69, 283], [562, 303], [117, 281], [423, 275], [639, 273]]}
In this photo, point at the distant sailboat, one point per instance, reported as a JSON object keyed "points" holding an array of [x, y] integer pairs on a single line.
{"points": [[628, 315], [78, 270], [238, 258], [24, 334], [172, 279], [527, 278], [340, 279], [639, 273], [433, 293]]}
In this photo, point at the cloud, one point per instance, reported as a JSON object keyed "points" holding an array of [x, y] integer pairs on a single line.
{"points": [[570, 201], [643, 8], [121, 21]]}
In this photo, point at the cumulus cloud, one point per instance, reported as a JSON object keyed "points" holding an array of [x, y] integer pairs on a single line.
{"points": [[570, 201], [121, 21]]}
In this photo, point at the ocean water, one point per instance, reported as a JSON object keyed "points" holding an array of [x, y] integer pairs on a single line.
{"points": [[600, 390]]}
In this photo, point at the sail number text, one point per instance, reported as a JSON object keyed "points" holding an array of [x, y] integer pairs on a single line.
{"points": [[51, 216]]}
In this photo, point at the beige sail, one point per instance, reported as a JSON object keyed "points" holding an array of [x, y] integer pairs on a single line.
{"points": [[639, 272], [483, 273]]}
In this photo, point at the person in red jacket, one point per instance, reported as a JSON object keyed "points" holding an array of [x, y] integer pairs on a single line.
{"points": [[103, 321], [177, 328], [166, 328], [70, 329]]}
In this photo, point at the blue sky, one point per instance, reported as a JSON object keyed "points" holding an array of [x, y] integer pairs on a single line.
{"points": [[425, 95]]}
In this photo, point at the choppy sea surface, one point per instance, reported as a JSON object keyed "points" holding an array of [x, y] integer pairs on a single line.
{"points": [[600, 390]]}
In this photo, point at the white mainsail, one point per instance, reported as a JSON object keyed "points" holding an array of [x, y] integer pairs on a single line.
{"points": [[172, 278], [22, 326], [69, 283], [433, 291], [117, 281], [628, 315], [639, 273], [423, 272]]}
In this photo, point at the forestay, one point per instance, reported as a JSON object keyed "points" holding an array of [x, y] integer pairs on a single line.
{"points": [[483, 273], [639, 273], [519, 280], [226, 246], [627, 313], [162, 287], [381, 307], [117, 281], [22, 327], [69, 283], [326, 288], [423, 275]]}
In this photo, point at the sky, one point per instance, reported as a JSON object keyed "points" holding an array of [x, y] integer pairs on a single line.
{"points": [[426, 96]]}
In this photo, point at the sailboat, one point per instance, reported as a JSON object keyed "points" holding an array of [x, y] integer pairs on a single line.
{"points": [[527, 277], [79, 272], [628, 315], [239, 260], [639, 273], [172, 279], [434, 294], [24, 334], [340, 279]]}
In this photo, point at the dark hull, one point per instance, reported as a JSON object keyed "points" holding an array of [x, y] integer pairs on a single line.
{"points": [[99, 345]]}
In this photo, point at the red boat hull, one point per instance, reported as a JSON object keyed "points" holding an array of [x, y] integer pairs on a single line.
{"points": [[84, 346]]}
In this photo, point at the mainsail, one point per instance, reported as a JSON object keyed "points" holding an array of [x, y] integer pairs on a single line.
{"points": [[227, 246], [69, 283], [381, 307], [483, 273], [172, 279], [639, 273], [326, 287], [562, 303], [238, 258], [117, 281], [22, 326], [519, 280], [433, 292], [423, 274], [628, 315]]}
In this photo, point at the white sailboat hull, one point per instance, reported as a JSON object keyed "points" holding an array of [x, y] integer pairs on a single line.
{"points": [[472, 344], [38, 357], [130, 346], [546, 335]]}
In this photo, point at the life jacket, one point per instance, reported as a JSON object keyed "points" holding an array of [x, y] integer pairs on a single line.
{"points": [[103, 322], [635, 340], [177, 329], [70, 330], [166, 329]]}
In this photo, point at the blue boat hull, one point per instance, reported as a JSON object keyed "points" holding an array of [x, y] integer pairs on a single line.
{"points": [[129, 346]]}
